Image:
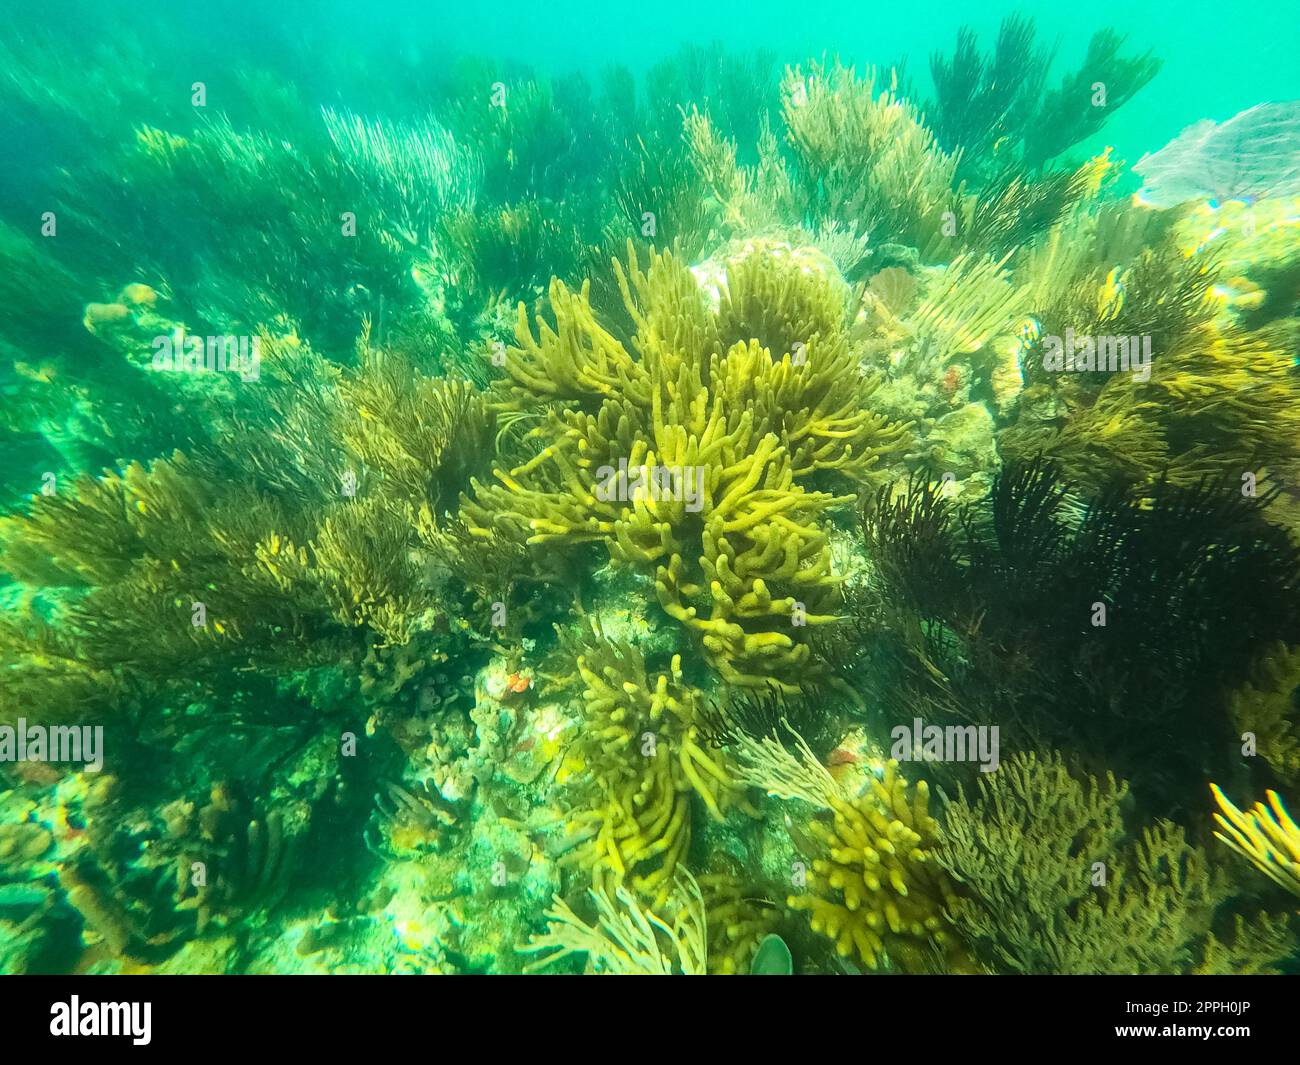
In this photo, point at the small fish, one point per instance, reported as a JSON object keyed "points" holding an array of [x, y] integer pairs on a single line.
{"points": [[840, 756]]}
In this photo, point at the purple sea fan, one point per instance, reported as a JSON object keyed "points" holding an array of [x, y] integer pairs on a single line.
{"points": [[1253, 155]]}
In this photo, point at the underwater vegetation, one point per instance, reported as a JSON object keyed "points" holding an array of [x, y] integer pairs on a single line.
{"points": [[753, 517]]}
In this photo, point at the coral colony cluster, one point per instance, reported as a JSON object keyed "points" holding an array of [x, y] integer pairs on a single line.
{"points": [[745, 519]]}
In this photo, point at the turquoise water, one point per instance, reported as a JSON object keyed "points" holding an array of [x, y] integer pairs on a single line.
{"points": [[749, 483], [1219, 59]]}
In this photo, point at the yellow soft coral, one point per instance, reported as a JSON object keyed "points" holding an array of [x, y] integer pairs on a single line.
{"points": [[875, 891], [722, 414], [641, 745]]}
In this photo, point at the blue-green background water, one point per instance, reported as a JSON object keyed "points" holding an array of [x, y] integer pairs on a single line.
{"points": [[1219, 58]]}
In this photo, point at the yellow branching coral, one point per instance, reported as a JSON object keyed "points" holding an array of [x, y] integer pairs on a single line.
{"points": [[641, 745], [876, 891], [686, 460], [1265, 835], [737, 923]]}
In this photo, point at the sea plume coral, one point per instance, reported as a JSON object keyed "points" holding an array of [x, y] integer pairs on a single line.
{"points": [[1053, 881], [627, 939]]}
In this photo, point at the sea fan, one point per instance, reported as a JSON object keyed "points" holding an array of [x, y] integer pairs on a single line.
{"points": [[1253, 155]]}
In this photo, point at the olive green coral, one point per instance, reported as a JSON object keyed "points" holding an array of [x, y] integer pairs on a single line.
{"points": [[1052, 882], [1265, 708]]}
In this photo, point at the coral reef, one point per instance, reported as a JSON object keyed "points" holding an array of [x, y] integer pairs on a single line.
{"points": [[492, 520], [1053, 881]]}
